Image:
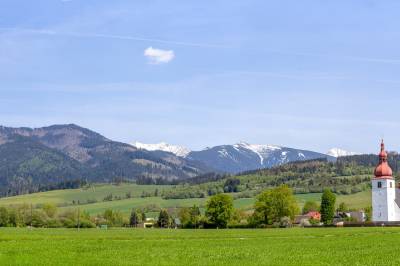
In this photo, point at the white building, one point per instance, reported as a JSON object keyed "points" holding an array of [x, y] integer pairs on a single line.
{"points": [[385, 195]]}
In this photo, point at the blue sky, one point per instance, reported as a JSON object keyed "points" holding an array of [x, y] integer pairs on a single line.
{"points": [[306, 74]]}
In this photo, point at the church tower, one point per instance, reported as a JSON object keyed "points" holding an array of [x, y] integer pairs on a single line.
{"points": [[384, 206]]}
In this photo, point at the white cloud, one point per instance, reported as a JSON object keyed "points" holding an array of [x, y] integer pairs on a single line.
{"points": [[158, 56]]}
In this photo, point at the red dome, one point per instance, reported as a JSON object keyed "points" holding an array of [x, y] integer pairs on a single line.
{"points": [[383, 170]]}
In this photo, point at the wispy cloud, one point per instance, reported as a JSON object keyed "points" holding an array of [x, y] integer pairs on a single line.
{"points": [[107, 36], [158, 56], [203, 45]]}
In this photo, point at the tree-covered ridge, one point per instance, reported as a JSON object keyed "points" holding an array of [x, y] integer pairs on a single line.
{"points": [[312, 176], [345, 176], [371, 160]]}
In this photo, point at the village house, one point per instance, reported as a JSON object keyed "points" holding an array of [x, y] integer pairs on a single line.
{"points": [[304, 220]]}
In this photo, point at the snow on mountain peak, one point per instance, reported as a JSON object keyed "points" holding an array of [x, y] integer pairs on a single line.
{"points": [[257, 147], [261, 150], [162, 146], [336, 152]]}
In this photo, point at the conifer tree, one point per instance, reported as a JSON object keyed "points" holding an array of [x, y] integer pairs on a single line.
{"points": [[134, 219], [327, 207], [164, 219]]}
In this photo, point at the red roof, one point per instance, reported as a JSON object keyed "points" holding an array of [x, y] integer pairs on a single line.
{"points": [[314, 215], [383, 169]]}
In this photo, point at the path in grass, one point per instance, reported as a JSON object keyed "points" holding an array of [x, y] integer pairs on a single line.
{"points": [[327, 246]]}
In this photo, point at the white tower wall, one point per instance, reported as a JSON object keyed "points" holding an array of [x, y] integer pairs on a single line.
{"points": [[384, 207]]}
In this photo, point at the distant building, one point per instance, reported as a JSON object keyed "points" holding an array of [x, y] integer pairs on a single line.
{"points": [[358, 216], [385, 195], [304, 219], [149, 223], [314, 215]]}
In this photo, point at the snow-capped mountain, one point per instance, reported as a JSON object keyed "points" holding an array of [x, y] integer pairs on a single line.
{"points": [[244, 157], [336, 152], [239, 157], [177, 150]]}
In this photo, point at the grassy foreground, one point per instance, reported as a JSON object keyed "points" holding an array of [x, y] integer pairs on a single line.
{"points": [[327, 246]]}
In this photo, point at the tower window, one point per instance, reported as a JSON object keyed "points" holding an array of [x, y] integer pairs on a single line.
{"points": [[391, 185], [379, 184]]}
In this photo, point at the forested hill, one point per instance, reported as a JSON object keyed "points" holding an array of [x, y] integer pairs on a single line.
{"points": [[348, 165], [371, 160], [348, 175], [342, 167], [64, 156]]}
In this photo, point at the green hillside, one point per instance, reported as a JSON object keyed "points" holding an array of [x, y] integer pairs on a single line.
{"points": [[92, 199], [349, 180], [90, 194]]}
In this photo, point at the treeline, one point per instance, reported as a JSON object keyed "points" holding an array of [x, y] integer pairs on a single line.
{"points": [[49, 216], [273, 208], [203, 190], [145, 180], [205, 178]]}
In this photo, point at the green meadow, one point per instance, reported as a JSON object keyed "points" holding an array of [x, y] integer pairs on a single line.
{"points": [[317, 246], [91, 199]]}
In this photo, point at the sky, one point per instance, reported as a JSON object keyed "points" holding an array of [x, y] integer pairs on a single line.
{"points": [[306, 74]]}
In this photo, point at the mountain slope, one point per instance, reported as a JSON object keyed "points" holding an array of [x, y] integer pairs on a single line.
{"points": [[244, 157], [28, 166], [35, 158]]}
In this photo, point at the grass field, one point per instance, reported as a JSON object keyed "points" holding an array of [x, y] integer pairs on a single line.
{"points": [[324, 246], [91, 199]]}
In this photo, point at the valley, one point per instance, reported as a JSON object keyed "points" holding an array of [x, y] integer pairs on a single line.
{"points": [[92, 199]]}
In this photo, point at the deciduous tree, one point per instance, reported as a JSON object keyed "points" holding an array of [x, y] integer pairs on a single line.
{"points": [[272, 205], [219, 210], [310, 206]]}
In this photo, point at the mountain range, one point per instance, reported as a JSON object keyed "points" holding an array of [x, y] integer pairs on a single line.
{"points": [[64, 156], [239, 157]]}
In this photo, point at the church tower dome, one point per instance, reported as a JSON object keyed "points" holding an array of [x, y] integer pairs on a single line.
{"points": [[383, 169]]}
